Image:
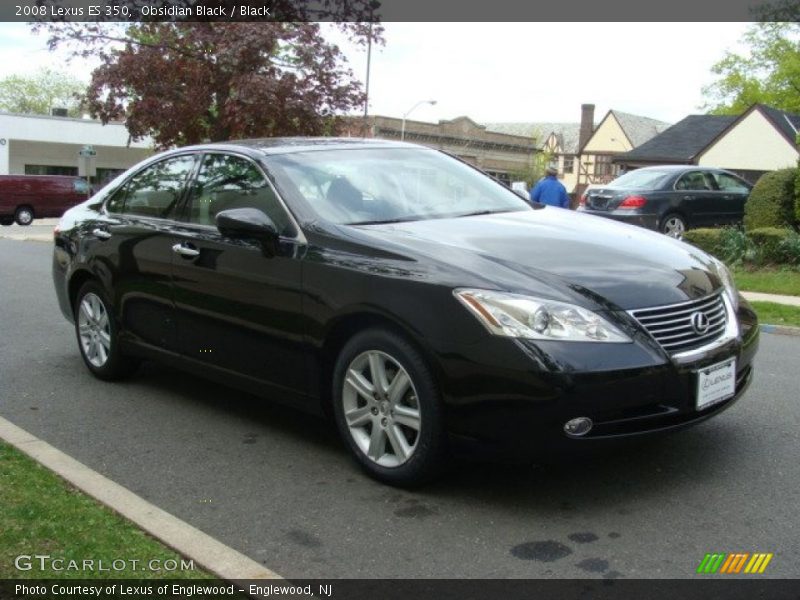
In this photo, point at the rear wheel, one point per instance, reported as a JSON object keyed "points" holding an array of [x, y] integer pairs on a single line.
{"points": [[6, 220], [97, 334], [673, 225], [24, 215], [388, 408]]}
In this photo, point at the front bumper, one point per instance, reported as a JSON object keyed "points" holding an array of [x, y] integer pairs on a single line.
{"points": [[632, 217], [516, 395]]}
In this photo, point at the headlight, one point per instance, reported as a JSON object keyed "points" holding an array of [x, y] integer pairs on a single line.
{"points": [[513, 315], [727, 281]]}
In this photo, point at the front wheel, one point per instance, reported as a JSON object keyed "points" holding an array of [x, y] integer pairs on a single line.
{"points": [[97, 334], [6, 220], [24, 215], [674, 226], [388, 408]]}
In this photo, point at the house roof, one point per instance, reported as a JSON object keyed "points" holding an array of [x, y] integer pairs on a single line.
{"points": [[681, 142], [567, 133], [639, 129], [787, 123]]}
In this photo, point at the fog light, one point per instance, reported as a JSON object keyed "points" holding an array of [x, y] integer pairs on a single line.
{"points": [[578, 426]]}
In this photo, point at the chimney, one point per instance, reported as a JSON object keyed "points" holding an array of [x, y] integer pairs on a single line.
{"points": [[587, 124]]}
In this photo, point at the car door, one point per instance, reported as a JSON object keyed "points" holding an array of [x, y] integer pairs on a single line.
{"points": [[132, 242], [697, 197], [239, 307], [733, 195]]}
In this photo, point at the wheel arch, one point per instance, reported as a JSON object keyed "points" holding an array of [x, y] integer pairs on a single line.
{"points": [[348, 325]]}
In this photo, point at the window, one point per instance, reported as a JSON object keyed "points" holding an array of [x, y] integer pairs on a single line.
{"points": [[227, 182], [729, 183], [696, 180], [569, 164], [602, 165], [50, 170], [80, 186], [155, 191]]}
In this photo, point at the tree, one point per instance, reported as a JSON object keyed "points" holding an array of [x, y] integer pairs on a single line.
{"points": [[41, 92], [185, 83], [769, 73]]}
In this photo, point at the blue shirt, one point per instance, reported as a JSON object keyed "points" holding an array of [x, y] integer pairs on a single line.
{"points": [[550, 190]]}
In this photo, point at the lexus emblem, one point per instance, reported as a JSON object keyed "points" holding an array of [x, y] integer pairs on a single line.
{"points": [[700, 322]]}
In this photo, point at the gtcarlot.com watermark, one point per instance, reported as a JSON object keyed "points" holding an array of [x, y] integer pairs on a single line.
{"points": [[46, 563]]}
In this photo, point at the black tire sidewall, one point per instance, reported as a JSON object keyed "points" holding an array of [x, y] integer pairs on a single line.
{"points": [[428, 458], [117, 365]]}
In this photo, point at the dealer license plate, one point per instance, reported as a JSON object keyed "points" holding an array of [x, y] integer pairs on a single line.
{"points": [[716, 383]]}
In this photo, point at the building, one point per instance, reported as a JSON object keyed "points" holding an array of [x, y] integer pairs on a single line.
{"points": [[584, 151], [500, 155], [45, 145], [759, 140]]}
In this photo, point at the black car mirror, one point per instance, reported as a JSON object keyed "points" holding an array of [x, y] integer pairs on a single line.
{"points": [[248, 223]]}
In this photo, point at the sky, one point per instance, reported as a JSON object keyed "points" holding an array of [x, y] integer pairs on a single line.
{"points": [[495, 72]]}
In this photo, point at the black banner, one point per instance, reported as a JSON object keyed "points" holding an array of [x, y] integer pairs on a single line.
{"points": [[733, 587]]}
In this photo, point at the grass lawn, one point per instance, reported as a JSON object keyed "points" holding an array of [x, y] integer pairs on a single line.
{"points": [[768, 281], [41, 514], [777, 314]]}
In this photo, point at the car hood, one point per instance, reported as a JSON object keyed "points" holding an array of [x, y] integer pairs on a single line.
{"points": [[554, 253]]}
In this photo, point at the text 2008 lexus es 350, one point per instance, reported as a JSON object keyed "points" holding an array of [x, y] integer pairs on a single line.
{"points": [[415, 299]]}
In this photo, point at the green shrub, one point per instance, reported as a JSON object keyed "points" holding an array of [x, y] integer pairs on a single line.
{"points": [[768, 242], [771, 203], [797, 194], [735, 247], [707, 240], [788, 250]]}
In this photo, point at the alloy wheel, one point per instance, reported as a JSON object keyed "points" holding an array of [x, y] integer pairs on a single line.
{"points": [[381, 408], [674, 227], [94, 329]]}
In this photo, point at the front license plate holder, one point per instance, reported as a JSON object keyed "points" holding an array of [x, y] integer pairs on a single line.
{"points": [[716, 383]]}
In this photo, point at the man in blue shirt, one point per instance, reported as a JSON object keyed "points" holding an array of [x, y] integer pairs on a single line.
{"points": [[549, 190]]}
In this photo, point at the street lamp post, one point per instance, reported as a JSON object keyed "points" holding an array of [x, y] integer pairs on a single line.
{"points": [[410, 110]]}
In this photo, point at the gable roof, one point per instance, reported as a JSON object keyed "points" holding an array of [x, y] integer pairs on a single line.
{"points": [[567, 133], [787, 123], [639, 129], [681, 142]]}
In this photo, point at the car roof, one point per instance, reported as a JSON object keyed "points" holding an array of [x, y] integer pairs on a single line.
{"points": [[677, 168], [286, 145]]}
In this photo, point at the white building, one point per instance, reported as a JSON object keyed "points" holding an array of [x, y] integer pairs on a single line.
{"points": [[44, 145]]}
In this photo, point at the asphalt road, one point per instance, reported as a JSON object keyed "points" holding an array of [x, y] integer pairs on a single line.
{"points": [[278, 486]]}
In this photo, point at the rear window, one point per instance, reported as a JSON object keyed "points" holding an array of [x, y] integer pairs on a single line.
{"points": [[641, 180]]}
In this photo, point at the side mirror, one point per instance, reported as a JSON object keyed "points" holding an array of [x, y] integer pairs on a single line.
{"points": [[248, 223]]}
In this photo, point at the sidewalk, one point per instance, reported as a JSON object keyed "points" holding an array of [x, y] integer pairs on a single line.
{"points": [[777, 298]]}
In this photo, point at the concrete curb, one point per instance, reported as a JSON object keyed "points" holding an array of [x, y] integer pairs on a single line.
{"points": [[780, 329], [207, 552], [28, 238]]}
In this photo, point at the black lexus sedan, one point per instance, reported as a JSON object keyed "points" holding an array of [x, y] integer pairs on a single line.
{"points": [[671, 199], [418, 302]]}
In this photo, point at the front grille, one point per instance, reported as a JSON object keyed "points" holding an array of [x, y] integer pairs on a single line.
{"points": [[672, 327]]}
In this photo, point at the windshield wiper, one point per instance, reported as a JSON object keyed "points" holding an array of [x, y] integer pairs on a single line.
{"points": [[385, 221], [478, 213]]}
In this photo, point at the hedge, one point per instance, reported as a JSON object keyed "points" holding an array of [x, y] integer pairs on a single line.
{"points": [[771, 203], [774, 245], [708, 240]]}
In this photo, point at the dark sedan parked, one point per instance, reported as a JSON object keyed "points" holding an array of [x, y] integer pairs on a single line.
{"points": [[671, 199], [419, 302]]}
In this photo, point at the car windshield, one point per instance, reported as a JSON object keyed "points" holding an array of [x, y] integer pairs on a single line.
{"points": [[364, 186], [641, 180]]}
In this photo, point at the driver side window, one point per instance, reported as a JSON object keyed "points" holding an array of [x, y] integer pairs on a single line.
{"points": [[227, 182]]}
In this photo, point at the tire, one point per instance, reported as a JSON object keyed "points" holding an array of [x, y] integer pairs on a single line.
{"points": [[673, 225], [24, 215], [6, 221], [395, 432], [97, 334]]}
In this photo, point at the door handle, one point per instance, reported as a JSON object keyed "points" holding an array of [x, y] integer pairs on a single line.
{"points": [[688, 197], [101, 233], [185, 251]]}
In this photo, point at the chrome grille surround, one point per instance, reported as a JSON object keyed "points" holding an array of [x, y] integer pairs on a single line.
{"points": [[671, 325]]}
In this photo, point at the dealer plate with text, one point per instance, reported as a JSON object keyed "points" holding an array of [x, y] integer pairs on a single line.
{"points": [[716, 383]]}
